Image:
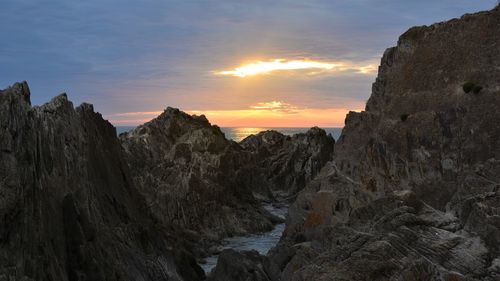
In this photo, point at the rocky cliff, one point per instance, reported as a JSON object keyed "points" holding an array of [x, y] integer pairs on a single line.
{"points": [[413, 191], [68, 207], [288, 163], [193, 177], [78, 203]]}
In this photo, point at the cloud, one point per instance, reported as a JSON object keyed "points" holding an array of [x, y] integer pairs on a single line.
{"points": [[276, 106], [130, 114], [310, 66], [141, 56], [306, 117], [262, 114]]}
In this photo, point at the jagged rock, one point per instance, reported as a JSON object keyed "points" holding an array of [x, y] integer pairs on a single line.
{"points": [[191, 176], [242, 266], [68, 208], [288, 163], [413, 191]]}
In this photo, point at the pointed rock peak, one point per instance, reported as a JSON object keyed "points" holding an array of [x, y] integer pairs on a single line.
{"points": [[178, 115], [316, 130], [86, 107], [61, 97], [202, 118], [19, 90], [171, 110], [59, 103]]}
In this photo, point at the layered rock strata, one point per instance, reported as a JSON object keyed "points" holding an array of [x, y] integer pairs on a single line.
{"points": [[68, 207], [288, 163], [413, 191]]}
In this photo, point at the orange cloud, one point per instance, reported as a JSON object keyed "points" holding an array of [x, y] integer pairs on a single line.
{"points": [[277, 114], [276, 106], [312, 67], [263, 114], [139, 113], [328, 117]]}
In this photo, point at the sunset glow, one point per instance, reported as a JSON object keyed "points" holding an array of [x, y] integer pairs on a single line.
{"points": [[309, 117], [263, 114], [275, 106], [314, 67]]}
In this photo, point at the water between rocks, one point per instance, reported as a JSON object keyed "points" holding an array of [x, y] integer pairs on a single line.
{"points": [[262, 242]]}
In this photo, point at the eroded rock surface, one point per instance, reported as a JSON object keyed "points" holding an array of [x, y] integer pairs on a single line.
{"points": [[242, 266], [68, 207], [413, 191], [193, 177], [288, 163]]}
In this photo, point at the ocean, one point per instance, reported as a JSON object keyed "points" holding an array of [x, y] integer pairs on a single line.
{"points": [[238, 134]]}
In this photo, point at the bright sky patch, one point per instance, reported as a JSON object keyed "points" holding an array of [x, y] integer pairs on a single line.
{"points": [[313, 67]]}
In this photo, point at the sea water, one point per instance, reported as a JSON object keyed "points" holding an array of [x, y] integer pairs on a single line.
{"points": [[239, 133], [261, 242]]}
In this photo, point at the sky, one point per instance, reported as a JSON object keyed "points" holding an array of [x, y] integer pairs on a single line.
{"points": [[266, 63]]}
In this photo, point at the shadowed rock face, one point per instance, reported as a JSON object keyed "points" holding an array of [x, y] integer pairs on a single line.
{"points": [[288, 163], [68, 208], [413, 191], [77, 203], [191, 176], [250, 266]]}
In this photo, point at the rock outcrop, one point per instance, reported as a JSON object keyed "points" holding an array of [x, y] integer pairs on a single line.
{"points": [[68, 207], [288, 163], [413, 191], [78, 203], [249, 266], [193, 177]]}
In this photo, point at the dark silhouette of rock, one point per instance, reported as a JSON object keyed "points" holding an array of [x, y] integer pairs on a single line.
{"points": [[414, 198], [288, 163], [242, 266], [68, 207]]}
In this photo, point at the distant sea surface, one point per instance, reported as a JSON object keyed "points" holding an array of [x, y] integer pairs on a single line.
{"points": [[238, 134]]}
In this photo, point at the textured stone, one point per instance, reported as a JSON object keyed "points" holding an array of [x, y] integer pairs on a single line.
{"points": [[413, 198], [288, 163], [193, 177], [68, 208], [242, 266]]}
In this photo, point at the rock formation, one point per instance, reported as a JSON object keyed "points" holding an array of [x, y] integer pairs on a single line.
{"points": [[193, 177], [288, 163], [413, 191], [68, 207], [77, 203], [250, 266]]}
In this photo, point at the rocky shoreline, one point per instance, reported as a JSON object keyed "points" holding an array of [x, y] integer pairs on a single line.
{"points": [[413, 190], [410, 191], [147, 205]]}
